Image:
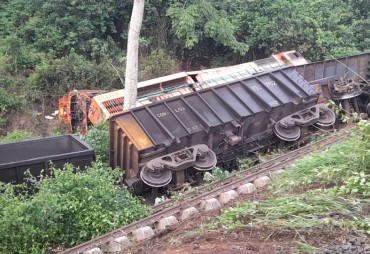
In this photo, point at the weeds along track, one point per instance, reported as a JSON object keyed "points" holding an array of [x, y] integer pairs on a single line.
{"points": [[173, 210]]}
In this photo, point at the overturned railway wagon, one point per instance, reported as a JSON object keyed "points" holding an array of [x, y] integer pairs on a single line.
{"points": [[170, 142], [35, 155], [344, 80]]}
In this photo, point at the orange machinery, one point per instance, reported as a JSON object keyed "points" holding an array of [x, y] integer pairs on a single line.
{"points": [[80, 108], [73, 108]]}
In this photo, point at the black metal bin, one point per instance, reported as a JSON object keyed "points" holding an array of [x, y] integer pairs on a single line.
{"points": [[35, 155]]}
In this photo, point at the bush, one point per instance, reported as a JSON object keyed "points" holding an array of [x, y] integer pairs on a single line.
{"points": [[158, 64], [74, 71], [67, 209], [7, 102], [98, 138], [20, 60]]}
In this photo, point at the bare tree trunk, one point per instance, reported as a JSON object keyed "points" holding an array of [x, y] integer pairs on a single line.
{"points": [[133, 54]]}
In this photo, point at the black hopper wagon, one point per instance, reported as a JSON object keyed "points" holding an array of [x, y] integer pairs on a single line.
{"points": [[35, 155], [174, 141]]}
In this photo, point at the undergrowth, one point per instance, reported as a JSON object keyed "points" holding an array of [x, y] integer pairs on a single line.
{"points": [[67, 209], [98, 138], [16, 136], [316, 210]]}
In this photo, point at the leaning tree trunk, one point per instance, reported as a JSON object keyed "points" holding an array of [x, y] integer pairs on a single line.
{"points": [[133, 54]]}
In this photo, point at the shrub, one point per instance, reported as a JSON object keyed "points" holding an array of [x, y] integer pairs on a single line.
{"points": [[71, 72], [7, 102], [98, 138], [158, 64], [67, 209]]}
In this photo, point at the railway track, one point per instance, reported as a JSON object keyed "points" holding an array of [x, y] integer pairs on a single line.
{"points": [[258, 174]]}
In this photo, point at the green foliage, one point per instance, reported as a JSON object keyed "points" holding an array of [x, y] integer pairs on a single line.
{"points": [[310, 211], [316, 28], [51, 47], [19, 58], [15, 136], [8, 102], [67, 209], [158, 64], [71, 72], [98, 138], [358, 183], [196, 20], [319, 29], [215, 174], [57, 26]]}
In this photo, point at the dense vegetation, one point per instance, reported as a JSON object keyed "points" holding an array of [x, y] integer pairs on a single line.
{"points": [[66, 209], [50, 47], [98, 138]]}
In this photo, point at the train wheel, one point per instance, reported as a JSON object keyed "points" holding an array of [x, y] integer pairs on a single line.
{"points": [[327, 117], [288, 134], [206, 159], [157, 177]]}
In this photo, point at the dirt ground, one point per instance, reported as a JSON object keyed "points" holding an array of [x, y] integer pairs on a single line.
{"points": [[33, 120], [237, 241]]}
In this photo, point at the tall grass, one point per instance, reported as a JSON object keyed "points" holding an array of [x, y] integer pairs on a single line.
{"points": [[309, 211]]}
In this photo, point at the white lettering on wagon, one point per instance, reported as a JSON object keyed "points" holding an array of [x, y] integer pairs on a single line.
{"points": [[162, 114], [177, 110], [256, 88], [270, 83]]}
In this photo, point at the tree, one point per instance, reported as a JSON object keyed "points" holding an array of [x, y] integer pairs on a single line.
{"points": [[198, 20], [133, 54]]}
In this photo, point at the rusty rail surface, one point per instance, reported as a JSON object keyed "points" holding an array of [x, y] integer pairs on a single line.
{"points": [[193, 199]]}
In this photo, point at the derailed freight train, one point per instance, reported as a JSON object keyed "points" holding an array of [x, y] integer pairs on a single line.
{"points": [[78, 109], [174, 141]]}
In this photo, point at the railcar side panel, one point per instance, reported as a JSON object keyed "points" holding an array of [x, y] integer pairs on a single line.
{"points": [[231, 119]]}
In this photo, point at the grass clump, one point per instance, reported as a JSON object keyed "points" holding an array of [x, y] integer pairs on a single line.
{"points": [[16, 136], [67, 209], [216, 174], [312, 210]]}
